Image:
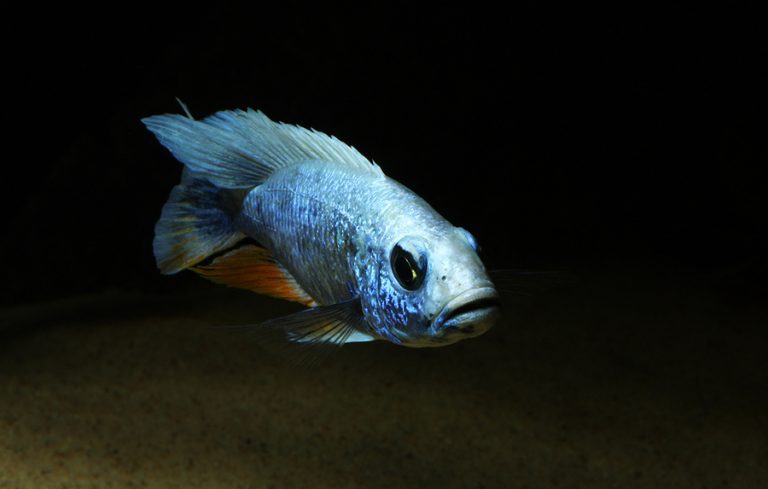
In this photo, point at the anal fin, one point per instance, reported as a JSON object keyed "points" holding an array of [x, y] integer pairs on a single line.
{"points": [[254, 268]]}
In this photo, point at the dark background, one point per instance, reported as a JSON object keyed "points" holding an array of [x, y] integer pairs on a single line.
{"points": [[561, 138], [625, 147]]}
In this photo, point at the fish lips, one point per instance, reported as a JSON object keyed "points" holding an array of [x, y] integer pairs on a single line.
{"points": [[471, 313]]}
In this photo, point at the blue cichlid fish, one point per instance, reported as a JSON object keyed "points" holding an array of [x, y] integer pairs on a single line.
{"points": [[370, 258]]}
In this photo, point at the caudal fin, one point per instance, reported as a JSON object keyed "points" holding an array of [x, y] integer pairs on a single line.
{"points": [[195, 223]]}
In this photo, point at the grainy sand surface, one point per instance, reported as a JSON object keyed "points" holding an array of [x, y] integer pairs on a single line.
{"points": [[613, 384]]}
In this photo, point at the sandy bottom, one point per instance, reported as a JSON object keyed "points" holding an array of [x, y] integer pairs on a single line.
{"points": [[613, 384]]}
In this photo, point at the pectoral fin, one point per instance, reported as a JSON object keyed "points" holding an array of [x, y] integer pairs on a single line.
{"points": [[334, 324], [254, 268]]}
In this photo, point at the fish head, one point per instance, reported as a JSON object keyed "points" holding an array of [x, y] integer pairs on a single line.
{"points": [[437, 289]]}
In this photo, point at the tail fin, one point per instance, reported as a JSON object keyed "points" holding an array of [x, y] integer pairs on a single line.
{"points": [[195, 223]]}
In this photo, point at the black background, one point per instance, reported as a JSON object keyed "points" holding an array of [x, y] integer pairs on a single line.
{"points": [[626, 145], [620, 139]]}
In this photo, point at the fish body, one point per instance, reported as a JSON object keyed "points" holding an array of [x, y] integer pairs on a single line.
{"points": [[371, 258]]}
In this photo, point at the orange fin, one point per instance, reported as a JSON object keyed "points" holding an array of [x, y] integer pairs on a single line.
{"points": [[254, 268]]}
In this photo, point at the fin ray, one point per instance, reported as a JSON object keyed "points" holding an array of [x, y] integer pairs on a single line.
{"points": [[332, 324], [240, 149], [309, 336], [193, 225]]}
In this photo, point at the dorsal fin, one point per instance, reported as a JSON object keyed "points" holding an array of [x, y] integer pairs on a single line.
{"points": [[254, 268], [241, 148]]}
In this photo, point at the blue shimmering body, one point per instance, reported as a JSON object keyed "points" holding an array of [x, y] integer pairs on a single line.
{"points": [[374, 257], [332, 227]]}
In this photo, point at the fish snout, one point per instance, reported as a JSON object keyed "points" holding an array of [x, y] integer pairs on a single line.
{"points": [[469, 314]]}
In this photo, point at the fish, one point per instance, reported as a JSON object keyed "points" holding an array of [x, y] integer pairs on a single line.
{"points": [[297, 214]]}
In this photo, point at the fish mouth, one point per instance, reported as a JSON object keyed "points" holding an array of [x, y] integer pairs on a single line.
{"points": [[471, 312]]}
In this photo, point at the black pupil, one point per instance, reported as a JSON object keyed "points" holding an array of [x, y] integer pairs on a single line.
{"points": [[406, 269]]}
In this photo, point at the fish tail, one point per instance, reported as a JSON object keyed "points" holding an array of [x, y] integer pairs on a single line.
{"points": [[220, 167], [196, 222]]}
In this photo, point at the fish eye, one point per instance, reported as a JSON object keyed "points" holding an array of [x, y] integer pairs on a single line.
{"points": [[409, 270]]}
